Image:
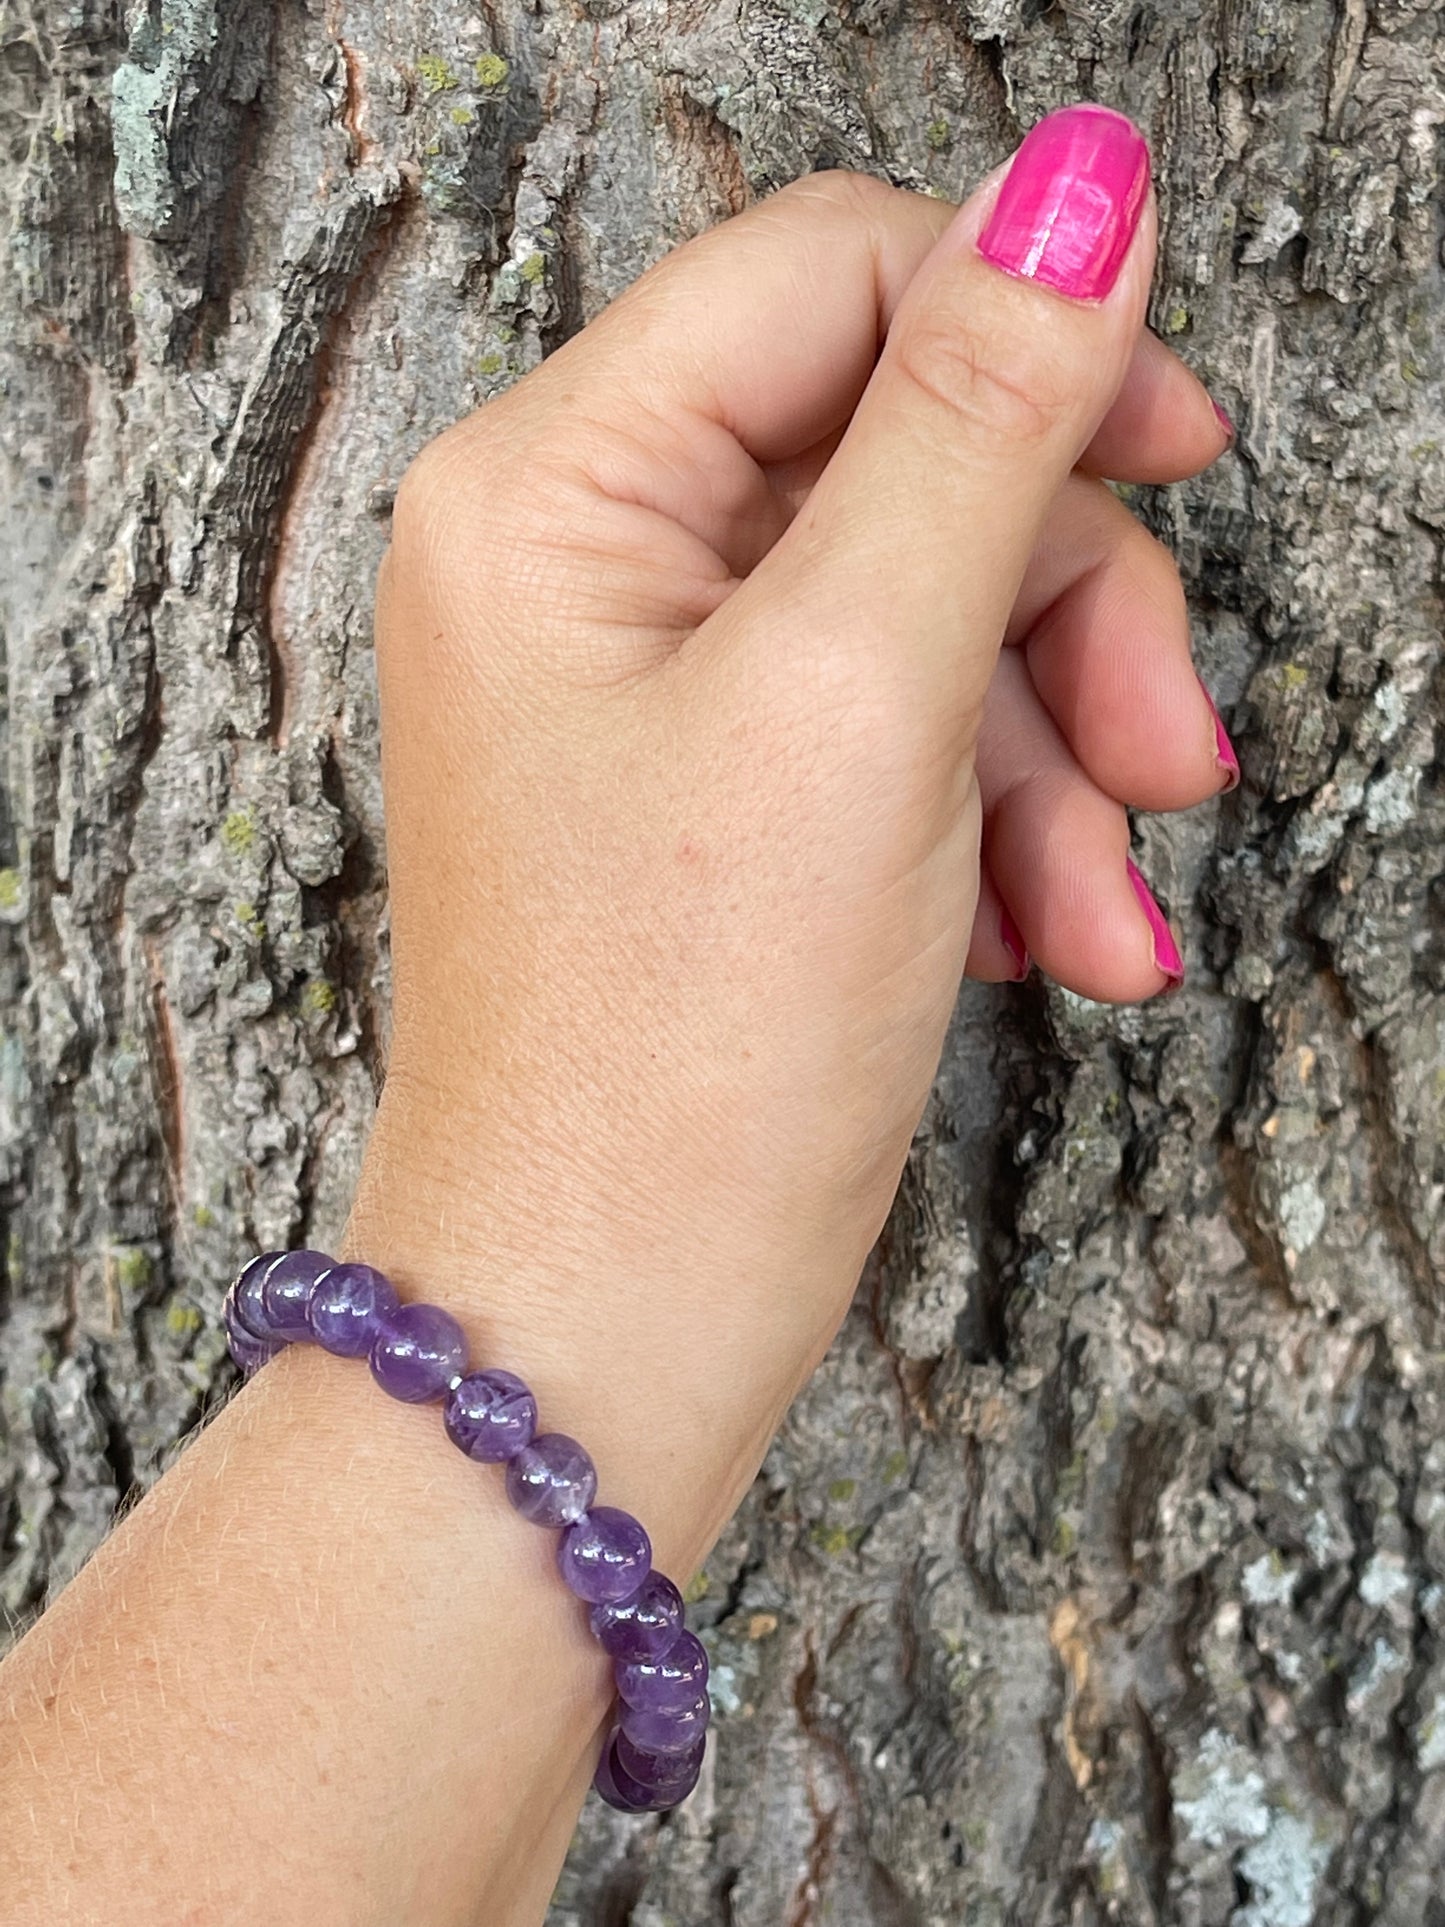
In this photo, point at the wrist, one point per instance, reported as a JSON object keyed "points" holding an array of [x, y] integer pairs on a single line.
{"points": [[669, 1334]]}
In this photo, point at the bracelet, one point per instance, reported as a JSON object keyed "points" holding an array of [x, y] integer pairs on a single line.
{"points": [[653, 1751]]}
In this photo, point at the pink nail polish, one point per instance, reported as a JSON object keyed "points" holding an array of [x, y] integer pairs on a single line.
{"points": [[1223, 749], [1225, 422], [1070, 203], [1013, 943], [1166, 951]]}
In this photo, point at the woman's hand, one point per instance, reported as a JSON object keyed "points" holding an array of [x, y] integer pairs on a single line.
{"points": [[694, 726]]}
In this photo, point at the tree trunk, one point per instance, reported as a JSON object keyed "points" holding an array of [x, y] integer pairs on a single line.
{"points": [[1100, 1574]]}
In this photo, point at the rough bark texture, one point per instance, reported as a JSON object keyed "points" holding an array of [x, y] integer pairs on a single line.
{"points": [[1100, 1575]]}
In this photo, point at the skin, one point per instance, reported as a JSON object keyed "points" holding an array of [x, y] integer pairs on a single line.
{"points": [[705, 781]]}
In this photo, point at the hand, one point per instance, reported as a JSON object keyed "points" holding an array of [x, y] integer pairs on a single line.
{"points": [[694, 726]]}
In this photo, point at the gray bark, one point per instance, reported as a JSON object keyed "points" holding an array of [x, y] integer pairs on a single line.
{"points": [[1100, 1575]]}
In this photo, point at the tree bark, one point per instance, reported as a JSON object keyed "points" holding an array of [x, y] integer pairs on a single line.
{"points": [[1100, 1574]]}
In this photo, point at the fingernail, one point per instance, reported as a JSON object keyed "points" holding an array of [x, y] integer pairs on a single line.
{"points": [[1014, 944], [1166, 951], [1070, 202], [1224, 420], [1223, 749]]}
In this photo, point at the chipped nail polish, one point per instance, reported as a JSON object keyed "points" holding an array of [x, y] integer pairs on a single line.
{"points": [[1070, 203], [1223, 749], [1014, 944], [1166, 951]]}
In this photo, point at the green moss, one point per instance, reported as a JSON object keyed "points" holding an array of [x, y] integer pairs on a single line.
{"points": [[842, 1490], [1295, 675], [492, 364], [250, 921], [1176, 321], [239, 831], [437, 76], [533, 268], [835, 1540], [203, 1216], [696, 1588], [132, 1267], [938, 135], [318, 998], [1071, 1479], [1065, 1538], [9, 890], [463, 116], [895, 1466], [491, 70], [182, 1320]]}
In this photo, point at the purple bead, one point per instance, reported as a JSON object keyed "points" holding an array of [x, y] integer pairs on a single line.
{"points": [[669, 1684], [644, 1626], [490, 1416], [347, 1308], [604, 1555], [654, 1732], [616, 1788], [627, 1792], [671, 1773], [287, 1292], [551, 1481], [418, 1351], [249, 1352], [246, 1295]]}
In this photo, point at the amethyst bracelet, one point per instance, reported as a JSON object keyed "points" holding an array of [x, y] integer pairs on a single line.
{"points": [[653, 1752]]}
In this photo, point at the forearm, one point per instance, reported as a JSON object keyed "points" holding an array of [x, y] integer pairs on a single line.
{"points": [[324, 1672]]}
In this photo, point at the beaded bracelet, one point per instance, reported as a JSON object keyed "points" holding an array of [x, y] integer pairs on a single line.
{"points": [[653, 1752]]}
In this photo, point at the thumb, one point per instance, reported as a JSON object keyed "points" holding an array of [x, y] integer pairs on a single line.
{"points": [[1003, 357]]}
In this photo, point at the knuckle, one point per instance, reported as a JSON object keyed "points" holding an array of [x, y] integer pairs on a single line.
{"points": [[458, 544], [837, 193], [424, 492], [460, 483], [1013, 386]]}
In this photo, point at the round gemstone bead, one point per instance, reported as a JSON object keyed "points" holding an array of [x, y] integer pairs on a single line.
{"points": [[347, 1308], [616, 1788], [654, 1732], [674, 1774], [417, 1352], [669, 1684], [287, 1292], [246, 1295], [490, 1416], [642, 1627], [249, 1352], [552, 1481], [621, 1786], [604, 1555]]}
